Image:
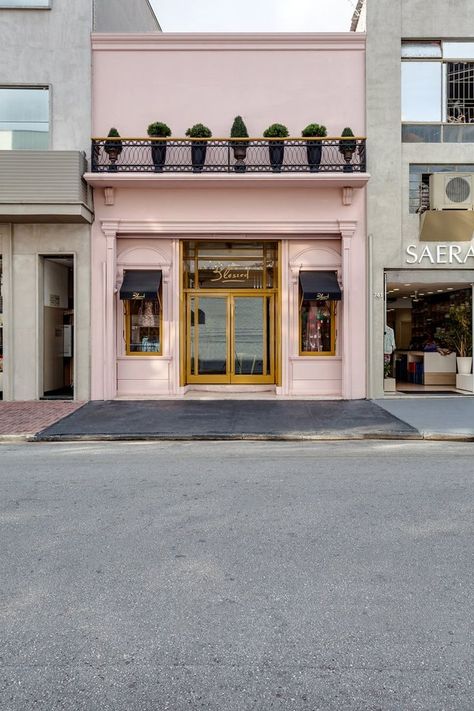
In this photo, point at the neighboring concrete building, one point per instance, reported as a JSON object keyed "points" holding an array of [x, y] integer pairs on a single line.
{"points": [[227, 270], [45, 205], [420, 129]]}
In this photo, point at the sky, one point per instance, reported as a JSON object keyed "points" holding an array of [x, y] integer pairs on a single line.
{"points": [[254, 15]]}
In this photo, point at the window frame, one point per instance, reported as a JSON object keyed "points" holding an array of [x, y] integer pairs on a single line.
{"points": [[21, 6], [323, 354], [44, 87], [127, 327]]}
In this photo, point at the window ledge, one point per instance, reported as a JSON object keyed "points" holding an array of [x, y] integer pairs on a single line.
{"points": [[144, 357], [313, 357]]}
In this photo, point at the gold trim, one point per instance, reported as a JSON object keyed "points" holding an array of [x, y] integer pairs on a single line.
{"points": [[185, 139]]}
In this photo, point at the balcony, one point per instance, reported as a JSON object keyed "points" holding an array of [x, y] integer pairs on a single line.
{"points": [[44, 186], [316, 156]]}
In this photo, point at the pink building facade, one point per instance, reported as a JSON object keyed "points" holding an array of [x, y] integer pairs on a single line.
{"points": [[227, 278]]}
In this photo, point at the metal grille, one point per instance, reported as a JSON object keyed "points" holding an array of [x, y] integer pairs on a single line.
{"points": [[458, 190], [140, 155], [460, 99]]}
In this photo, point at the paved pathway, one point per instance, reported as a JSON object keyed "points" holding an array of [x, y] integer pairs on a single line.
{"points": [[230, 419], [433, 416], [27, 418]]}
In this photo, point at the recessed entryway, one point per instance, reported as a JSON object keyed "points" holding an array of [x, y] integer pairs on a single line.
{"points": [[58, 327]]}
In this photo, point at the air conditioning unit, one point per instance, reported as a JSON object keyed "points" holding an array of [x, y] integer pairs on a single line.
{"points": [[452, 191]]}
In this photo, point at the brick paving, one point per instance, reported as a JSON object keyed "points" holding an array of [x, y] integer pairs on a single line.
{"points": [[27, 418]]}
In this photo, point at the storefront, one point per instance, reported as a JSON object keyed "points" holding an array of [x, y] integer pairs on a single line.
{"points": [[428, 325], [238, 314], [229, 273]]}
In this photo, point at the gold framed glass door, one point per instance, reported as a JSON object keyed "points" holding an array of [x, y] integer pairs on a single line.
{"points": [[252, 332], [230, 299], [230, 339]]}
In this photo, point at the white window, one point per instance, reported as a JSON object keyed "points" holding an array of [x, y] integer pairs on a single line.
{"points": [[438, 85], [20, 4], [24, 118], [421, 91]]}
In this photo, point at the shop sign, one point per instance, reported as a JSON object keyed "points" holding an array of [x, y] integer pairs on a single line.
{"points": [[439, 254], [232, 275]]}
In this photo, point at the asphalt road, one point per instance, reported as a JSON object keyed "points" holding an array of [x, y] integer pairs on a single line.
{"points": [[236, 576]]}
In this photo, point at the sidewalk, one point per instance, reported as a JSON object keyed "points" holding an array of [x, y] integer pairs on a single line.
{"points": [[442, 417], [431, 417], [229, 420], [20, 420]]}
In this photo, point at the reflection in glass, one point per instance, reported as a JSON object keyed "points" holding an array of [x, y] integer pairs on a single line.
{"points": [[421, 133], [421, 49], [458, 50], [421, 91], [24, 118], [144, 323], [249, 336], [25, 3], [230, 265], [317, 326], [209, 336]]}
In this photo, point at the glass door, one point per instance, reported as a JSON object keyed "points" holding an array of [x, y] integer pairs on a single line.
{"points": [[230, 297], [230, 339], [252, 338], [208, 339]]}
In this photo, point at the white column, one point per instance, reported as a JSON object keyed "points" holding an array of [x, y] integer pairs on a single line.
{"points": [[110, 357], [347, 232], [285, 320], [6, 233]]}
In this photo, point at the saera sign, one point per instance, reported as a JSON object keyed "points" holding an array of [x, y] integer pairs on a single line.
{"points": [[439, 254]]}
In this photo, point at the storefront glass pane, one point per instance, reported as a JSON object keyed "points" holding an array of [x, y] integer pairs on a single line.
{"points": [[209, 335], [249, 335], [230, 265], [317, 327], [144, 326]]}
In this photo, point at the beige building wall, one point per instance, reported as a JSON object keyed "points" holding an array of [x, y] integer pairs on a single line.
{"points": [[22, 246]]}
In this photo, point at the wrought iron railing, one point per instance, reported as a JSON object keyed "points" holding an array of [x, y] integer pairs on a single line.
{"points": [[253, 155]]}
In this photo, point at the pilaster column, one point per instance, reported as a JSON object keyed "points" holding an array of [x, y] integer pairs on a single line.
{"points": [[6, 250], [109, 304], [347, 230]]}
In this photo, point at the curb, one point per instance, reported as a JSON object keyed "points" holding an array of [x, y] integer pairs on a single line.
{"points": [[328, 437], [16, 437]]}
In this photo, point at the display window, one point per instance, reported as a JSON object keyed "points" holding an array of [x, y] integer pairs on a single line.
{"points": [[317, 327], [143, 326]]}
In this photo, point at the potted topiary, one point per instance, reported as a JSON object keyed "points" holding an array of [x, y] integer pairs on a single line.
{"points": [[347, 148], [239, 130], [458, 335], [198, 148], [314, 148], [276, 147], [158, 148], [113, 148]]}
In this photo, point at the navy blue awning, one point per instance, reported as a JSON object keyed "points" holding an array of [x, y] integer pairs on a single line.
{"points": [[319, 286], [140, 284]]}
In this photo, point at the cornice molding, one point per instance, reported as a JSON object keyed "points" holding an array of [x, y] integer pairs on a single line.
{"points": [[169, 228], [229, 41], [227, 180]]}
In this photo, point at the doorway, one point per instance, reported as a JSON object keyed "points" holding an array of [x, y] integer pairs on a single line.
{"points": [[421, 313], [58, 326], [230, 312]]}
